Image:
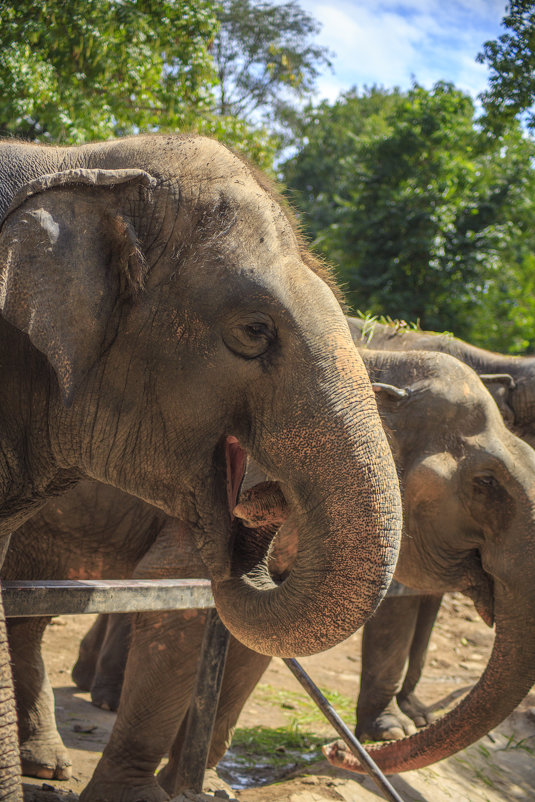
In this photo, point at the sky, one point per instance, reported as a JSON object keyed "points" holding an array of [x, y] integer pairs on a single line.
{"points": [[392, 44]]}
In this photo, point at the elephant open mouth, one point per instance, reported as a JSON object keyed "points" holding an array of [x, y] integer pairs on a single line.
{"points": [[258, 507]]}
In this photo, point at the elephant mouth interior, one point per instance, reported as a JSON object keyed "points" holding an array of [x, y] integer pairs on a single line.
{"points": [[257, 508], [261, 502]]}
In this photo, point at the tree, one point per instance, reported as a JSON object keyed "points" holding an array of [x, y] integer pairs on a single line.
{"points": [[511, 59], [264, 57], [90, 69], [423, 214], [329, 139]]}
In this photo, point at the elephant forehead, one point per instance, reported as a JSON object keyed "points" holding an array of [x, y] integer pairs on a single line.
{"points": [[226, 192]]}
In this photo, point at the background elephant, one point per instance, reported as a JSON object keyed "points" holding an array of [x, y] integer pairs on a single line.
{"points": [[156, 305], [395, 640], [465, 478]]}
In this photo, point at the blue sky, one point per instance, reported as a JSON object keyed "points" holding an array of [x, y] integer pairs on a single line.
{"points": [[390, 44]]}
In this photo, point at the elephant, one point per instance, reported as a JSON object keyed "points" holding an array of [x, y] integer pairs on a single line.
{"points": [[465, 478], [396, 638], [156, 304]]}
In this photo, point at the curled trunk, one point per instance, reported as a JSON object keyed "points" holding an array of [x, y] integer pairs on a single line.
{"points": [[341, 487], [507, 679]]}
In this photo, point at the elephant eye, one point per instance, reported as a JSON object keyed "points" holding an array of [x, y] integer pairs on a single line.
{"points": [[485, 481], [250, 337]]}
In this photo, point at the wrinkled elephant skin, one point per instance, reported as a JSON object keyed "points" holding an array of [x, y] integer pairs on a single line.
{"points": [[154, 301]]}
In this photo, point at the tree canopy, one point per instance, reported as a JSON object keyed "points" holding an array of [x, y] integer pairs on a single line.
{"points": [[266, 59], [511, 59], [90, 69], [425, 218]]}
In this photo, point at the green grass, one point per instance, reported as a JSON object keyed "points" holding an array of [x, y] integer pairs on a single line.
{"points": [[520, 744], [385, 320], [275, 746], [302, 709]]}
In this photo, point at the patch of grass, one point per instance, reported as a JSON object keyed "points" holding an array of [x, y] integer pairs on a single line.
{"points": [[385, 320], [520, 744], [275, 746], [301, 707]]}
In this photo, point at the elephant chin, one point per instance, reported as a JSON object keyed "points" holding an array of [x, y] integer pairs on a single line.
{"points": [[479, 587]]}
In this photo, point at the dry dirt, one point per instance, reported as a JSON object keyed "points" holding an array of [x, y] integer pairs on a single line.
{"points": [[498, 768]]}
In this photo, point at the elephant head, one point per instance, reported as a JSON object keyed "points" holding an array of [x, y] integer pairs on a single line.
{"points": [[173, 324], [469, 525], [509, 379]]}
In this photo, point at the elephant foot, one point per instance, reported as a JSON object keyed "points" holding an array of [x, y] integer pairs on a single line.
{"points": [[391, 724], [45, 760], [99, 791], [106, 696], [414, 709]]}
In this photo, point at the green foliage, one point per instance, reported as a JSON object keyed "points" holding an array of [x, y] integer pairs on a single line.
{"points": [[90, 69], [265, 59], [426, 217], [511, 59]]}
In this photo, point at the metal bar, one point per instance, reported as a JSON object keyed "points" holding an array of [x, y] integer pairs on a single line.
{"points": [[70, 597], [203, 706], [369, 765]]}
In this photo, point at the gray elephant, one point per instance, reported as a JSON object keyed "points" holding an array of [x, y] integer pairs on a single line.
{"points": [[395, 640], [96, 531], [458, 464], [156, 306]]}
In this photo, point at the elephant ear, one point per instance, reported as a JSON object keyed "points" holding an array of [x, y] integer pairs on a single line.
{"points": [[500, 386], [67, 252]]}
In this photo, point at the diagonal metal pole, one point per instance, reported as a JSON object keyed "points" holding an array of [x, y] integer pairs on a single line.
{"points": [[369, 765]]}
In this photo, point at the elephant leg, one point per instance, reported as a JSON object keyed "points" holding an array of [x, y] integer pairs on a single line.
{"points": [[83, 672], [243, 670], [158, 682], [41, 748], [10, 774], [406, 698], [386, 643], [111, 662]]}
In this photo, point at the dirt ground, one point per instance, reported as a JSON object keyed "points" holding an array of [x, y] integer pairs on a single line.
{"points": [[499, 768]]}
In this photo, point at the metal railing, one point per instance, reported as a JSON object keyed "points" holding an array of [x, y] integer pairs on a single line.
{"points": [[72, 597]]}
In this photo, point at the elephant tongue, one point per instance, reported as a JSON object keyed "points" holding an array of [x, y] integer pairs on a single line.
{"points": [[262, 505], [236, 460]]}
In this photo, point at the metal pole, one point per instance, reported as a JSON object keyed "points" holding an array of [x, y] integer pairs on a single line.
{"points": [[369, 765]]}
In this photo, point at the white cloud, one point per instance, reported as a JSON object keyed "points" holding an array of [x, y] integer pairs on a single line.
{"points": [[388, 43]]}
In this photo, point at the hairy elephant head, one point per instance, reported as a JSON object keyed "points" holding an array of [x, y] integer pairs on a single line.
{"points": [[469, 525], [186, 327]]}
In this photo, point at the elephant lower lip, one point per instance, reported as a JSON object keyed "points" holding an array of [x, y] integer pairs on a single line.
{"points": [[483, 601]]}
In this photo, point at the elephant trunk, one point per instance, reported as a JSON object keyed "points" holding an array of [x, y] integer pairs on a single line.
{"points": [[339, 480], [507, 679]]}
